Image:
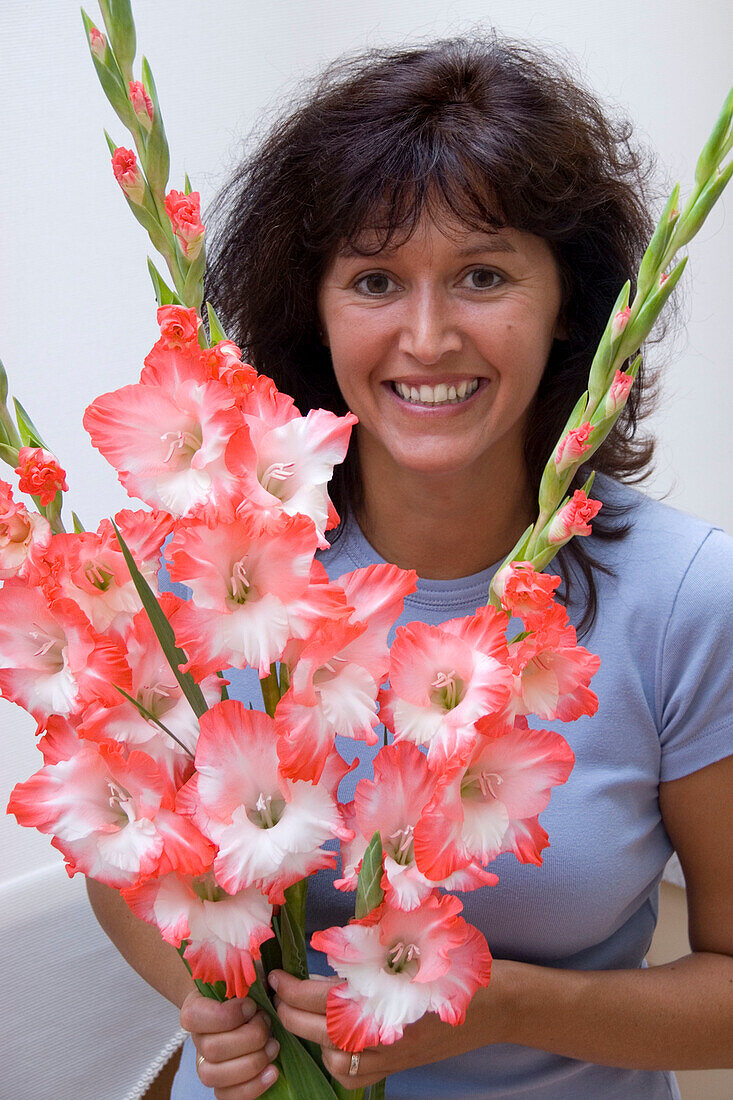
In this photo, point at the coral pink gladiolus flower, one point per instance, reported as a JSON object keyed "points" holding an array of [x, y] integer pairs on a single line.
{"points": [[522, 590], [489, 803], [443, 679], [574, 518], [336, 672], [620, 321], [393, 803], [552, 672], [40, 474], [111, 813], [166, 436], [268, 830], [184, 212], [24, 539], [128, 175], [255, 587], [397, 967], [142, 105], [284, 460], [224, 931], [572, 446], [51, 659]]}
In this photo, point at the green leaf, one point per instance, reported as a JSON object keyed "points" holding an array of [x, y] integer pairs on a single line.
{"points": [[29, 433], [111, 145], [117, 15], [714, 148], [377, 1091], [193, 290], [270, 691], [151, 718], [224, 692], [216, 329], [298, 1069], [9, 454], [292, 938], [78, 525], [187, 188], [157, 155], [111, 80], [163, 632], [369, 892], [164, 296]]}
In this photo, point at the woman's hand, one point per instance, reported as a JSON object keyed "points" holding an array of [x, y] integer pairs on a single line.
{"points": [[233, 1039], [302, 1008]]}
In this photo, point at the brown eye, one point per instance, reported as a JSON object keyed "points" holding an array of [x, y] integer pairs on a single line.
{"points": [[374, 285], [483, 278]]}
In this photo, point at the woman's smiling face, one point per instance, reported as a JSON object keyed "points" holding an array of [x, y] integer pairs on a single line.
{"points": [[439, 344]]}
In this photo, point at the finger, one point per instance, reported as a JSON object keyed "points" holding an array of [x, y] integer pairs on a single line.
{"points": [[237, 1071], [257, 1087], [224, 1045], [310, 995], [369, 1064], [308, 1025], [202, 1015]]}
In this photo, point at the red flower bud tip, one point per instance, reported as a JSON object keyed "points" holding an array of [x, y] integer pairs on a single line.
{"points": [[572, 447], [178, 326], [620, 322], [128, 174], [185, 215], [98, 43], [142, 105], [663, 278], [40, 474], [574, 518], [618, 393]]}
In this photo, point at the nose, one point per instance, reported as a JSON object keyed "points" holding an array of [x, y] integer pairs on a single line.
{"points": [[429, 330]]}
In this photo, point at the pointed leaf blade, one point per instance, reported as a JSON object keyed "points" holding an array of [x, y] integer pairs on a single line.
{"points": [[163, 632]]}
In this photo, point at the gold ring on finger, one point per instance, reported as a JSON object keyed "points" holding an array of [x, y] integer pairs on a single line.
{"points": [[354, 1066]]}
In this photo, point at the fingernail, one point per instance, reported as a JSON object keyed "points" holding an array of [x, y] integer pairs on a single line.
{"points": [[274, 980], [271, 1048], [269, 1077], [248, 1009]]}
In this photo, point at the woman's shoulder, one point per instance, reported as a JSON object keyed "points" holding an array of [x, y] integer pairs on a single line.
{"points": [[662, 544]]}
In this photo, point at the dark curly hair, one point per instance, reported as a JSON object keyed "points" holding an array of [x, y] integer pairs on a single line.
{"points": [[492, 130]]}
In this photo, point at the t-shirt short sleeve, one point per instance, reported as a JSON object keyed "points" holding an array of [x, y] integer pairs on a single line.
{"points": [[695, 680]]}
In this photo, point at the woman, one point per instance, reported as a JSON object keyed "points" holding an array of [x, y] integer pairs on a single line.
{"points": [[434, 240]]}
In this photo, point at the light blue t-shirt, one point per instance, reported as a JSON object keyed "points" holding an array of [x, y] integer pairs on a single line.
{"points": [[664, 633]]}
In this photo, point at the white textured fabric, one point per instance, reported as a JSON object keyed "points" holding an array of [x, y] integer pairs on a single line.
{"points": [[77, 1022]]}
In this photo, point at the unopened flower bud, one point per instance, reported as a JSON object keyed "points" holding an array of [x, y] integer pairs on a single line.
{"points": [[40, 474], [142, 105], [620, 322], [97, 43], [185, 215], [128, 175], [178, 326], [574, 518], [618, 393], [572, 446]]}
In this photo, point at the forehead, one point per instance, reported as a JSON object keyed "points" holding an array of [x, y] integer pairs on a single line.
{"points": [[463, 240]]}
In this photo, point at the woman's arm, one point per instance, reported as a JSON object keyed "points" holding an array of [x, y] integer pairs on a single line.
{"points": [[233, 1038], [140, 944], [677, 1016]]}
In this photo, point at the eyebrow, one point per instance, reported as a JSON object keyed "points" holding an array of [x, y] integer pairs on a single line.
{"points": [[490, 243]]}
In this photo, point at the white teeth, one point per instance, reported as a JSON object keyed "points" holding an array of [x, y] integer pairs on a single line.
{"points": [[442, 394]]}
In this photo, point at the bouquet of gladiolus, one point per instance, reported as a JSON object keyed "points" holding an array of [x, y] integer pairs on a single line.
{"points": [[207, 816]]}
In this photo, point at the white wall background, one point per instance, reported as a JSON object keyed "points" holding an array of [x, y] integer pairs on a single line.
{"points": [[77, 313]]}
